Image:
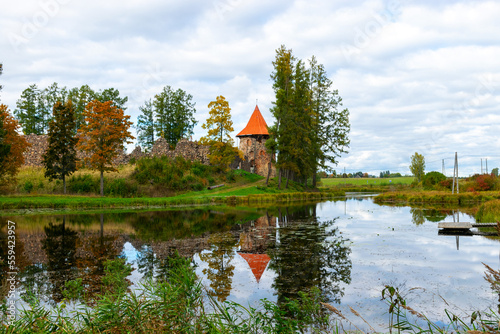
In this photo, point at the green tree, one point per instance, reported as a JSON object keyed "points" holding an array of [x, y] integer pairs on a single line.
{"points": [[174, 112], [113, 95], [60, 157], [146, 126], [331, 124], [30, 111], [417, 166], [283, 85], [80, 97], [494, 171], [219, 126], [310, 131], [103, 136]]}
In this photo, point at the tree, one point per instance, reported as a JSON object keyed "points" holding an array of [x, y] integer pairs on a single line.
{"points": [[80, 97], [60, 157], [310, 131], [12, 146], [417, 166], [174, 112], [103, 135], [146, 126], [219, 126], [30, 111], [113, 95], [494, 172], [34, 108], [331, 124]]}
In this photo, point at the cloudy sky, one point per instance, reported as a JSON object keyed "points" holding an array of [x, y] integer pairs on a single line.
{"points": [[417, 76]]}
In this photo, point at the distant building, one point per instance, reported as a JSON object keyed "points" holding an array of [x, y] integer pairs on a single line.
{"points": [[252, 143]]}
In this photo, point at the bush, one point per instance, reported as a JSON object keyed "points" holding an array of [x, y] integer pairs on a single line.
{"points": [[83, 184], [483, 182], [120, 187], [447, 184], [28, 186], [431, 179]]}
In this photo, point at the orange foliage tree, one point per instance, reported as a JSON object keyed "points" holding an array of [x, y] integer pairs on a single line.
{"points": [[12, 146], [103, 136]]}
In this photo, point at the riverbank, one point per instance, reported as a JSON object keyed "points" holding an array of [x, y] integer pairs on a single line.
{"points": [[237, 196], [436, 197]]}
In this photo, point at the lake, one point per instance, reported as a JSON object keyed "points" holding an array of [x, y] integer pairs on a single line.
{"points": [[350, 248]]}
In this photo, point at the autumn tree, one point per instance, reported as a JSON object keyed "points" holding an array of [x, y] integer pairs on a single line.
{"points": [[146, 126], [60, 157], [417, 166], [174, 112], [103, 136], [12, 146], [219, 126]]}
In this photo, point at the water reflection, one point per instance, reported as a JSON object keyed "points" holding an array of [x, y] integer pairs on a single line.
{"points": [[348, 250], [60, 245], [308, 253], [220, 270]]}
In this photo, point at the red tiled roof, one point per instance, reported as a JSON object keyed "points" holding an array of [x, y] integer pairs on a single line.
{"points": [[257, 262], [256, 125]]}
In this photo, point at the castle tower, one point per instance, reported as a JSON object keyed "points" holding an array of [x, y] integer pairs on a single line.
{"points": [[252, 143]]}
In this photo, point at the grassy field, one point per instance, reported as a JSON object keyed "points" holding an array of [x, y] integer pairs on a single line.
{"points": [[330, 182]]}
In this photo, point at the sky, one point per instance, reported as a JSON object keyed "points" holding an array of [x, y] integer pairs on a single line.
{"points": [[417, 76]]}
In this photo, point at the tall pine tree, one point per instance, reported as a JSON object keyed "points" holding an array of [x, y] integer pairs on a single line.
{"points": [[310, 131], [60, 157]]}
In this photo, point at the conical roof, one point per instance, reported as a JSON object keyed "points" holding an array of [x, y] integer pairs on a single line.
{"points": [[257, 262], [256, 125]]}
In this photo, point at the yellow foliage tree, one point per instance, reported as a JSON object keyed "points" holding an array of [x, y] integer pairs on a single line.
{"points": [[219, 126], [103, 136]]}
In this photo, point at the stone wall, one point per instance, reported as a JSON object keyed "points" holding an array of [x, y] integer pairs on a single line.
{"points": [[256, 156], [185, 148]]}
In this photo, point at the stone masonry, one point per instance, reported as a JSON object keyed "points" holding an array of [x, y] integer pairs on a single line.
{"points": [[256, 157], [185, 148]]}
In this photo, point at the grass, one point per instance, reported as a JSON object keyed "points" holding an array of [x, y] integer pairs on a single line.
{"points": [[418, 197], [331, 182]]}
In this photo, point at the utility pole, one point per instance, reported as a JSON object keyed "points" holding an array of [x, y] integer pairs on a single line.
{"points": [[455, 175], [443, 168]]}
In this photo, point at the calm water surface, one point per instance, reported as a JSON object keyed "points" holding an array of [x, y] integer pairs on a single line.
{"points": [[349, 248]]}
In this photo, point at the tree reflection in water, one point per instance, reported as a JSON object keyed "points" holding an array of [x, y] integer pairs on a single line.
{"points": [[60, 245], [220, 271], [309, 254]]}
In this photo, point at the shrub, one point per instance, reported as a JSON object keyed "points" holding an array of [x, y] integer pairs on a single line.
{"points": [[447, 184], [28, 186], [120, 187], [83, 184], [431, 179], [481, 182]]}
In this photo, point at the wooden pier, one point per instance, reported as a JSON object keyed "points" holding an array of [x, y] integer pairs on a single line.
{"points": [[463, 226]]}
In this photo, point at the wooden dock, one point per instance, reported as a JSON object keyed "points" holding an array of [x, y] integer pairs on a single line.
{"points": [[463, 226]]}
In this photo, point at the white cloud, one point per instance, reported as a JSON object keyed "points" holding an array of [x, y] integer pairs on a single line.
{"points": [[415, 75]]}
